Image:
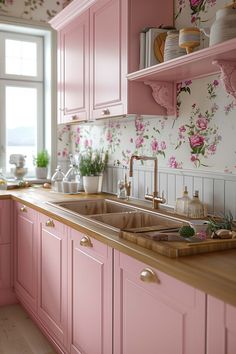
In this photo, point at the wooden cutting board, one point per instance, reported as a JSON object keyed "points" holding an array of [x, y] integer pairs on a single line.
{"points": [[174, 249]]}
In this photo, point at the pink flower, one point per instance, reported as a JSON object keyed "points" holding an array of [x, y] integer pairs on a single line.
{"points": [[212, 148], [163, 145], [172, 162], [109, 136], [139, 141], [77, 140], [215, 83], [182, 129], [195, 3], [202, 123], [87, 143], [78, 130], [154, 145], [196, 141], [188, 82], [139, 126], [194, 158]]}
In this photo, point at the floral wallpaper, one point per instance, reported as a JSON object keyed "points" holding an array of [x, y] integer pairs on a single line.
{"points": [[39, 10], [201, 136]]}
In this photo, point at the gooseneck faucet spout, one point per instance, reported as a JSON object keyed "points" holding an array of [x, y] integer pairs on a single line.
{"points": [[154, 196]]}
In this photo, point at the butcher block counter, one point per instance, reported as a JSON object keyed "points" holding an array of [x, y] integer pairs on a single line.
{"points": [[213, 273]]}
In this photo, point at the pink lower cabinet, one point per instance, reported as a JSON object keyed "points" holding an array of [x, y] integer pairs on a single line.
{"points": [[25, 255], [221, 327], [52, 277], [90, 295], [155, 313], [6, 272]]}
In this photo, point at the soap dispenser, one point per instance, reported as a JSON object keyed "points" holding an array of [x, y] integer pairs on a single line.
{"points": [[196, 207], [57, 179], [182, 204]]}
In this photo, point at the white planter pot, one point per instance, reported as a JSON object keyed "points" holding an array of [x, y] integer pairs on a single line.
{"points": [[92, 184], [41, 172]]}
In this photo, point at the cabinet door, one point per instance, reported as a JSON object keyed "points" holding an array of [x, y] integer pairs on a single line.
{"points": [[107, 58], [25, 255], [221, 327], [74, 70], [90, 295], [5, 221], [155, 313], [52, 280]]}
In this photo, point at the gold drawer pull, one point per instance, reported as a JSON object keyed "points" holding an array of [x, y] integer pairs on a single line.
{"points": [[86, 242], [74, 117], [149, 276], [50, 223], [105, 112], [23, 208]]}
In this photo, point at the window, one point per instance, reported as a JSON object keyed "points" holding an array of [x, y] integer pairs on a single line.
{"points": [[21, 87]]}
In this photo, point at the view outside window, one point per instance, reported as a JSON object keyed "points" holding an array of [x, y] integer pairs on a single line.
{"points": [[20, 58], [21, 124]]}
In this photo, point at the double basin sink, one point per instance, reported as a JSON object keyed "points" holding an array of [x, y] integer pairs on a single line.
{"points": [[117, 216]]}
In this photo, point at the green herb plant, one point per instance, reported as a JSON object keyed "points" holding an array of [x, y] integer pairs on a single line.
{"points": [[186, 231], [93, 162], [225, 222], [42, 159]]}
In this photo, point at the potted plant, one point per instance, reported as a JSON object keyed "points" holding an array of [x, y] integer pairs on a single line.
{"points": [[92, 165], [41, 161]]}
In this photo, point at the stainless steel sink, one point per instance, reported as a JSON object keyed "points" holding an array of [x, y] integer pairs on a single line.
{"points": [[115, 215], [136, 220], [92, 206]]}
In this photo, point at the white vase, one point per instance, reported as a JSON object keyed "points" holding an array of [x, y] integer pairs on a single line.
{"points": [[91, 184], [41, 172]]}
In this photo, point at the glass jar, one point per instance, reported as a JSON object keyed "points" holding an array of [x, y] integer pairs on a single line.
{"points": [[182, 204], [196, 207], [57, 179]]}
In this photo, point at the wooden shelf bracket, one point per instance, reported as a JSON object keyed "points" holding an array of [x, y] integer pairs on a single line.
{"points": [[164, 93], [228, 75]]}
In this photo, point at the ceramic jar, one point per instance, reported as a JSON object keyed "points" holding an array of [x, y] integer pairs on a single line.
{"points": [[172, 49], [224, 27], [189, 38]]}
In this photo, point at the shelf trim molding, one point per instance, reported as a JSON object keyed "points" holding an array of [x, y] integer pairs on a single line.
{"points": [[228, 75], [164, 93]]}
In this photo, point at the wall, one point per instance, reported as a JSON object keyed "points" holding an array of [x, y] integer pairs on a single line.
{"points": [[196, 149], [38, 10]]}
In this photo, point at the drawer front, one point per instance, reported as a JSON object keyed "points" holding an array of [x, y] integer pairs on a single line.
{"points": [[50, 224], [25, 211]]}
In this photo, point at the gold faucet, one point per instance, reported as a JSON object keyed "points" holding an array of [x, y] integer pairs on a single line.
{"points": [[156, 200]]}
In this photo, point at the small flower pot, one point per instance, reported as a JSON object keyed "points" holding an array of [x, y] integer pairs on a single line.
{"points": [[91, 184], [41, 172]]}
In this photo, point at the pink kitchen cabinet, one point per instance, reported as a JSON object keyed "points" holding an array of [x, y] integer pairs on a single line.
{"points": [[73, 76], [90, 295], [221, 327], [155, 313], [25, 255], [52, 277], [6, 270]]}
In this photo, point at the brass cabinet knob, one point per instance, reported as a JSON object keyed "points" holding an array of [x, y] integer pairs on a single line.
{"points": [[149, 276], [105, 112], [86, 242], [23, 208], [50, 223], [74, 117]]}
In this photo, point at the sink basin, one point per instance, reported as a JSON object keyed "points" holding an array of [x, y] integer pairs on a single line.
{"points": [[136, 220], [92, 206]]}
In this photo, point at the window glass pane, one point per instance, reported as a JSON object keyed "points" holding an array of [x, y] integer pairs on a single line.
{"points": [[21, 58], [21, 124]]}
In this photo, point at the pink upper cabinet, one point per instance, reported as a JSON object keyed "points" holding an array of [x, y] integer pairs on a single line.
{"points": [[221, 327], [73, 73], [155, 313]]}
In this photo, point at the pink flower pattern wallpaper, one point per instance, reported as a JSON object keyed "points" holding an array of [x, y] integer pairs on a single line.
{"points": [[201, 136]]}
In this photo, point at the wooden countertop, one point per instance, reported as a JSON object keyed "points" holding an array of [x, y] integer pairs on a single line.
{"points": [[213, 273]]}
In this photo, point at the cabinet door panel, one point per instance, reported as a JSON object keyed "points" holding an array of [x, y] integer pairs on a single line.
{"points": [[52, 286], [106, 66], [90, 301], [5, 221], [25, 255], [221, 327], [151, 318], [75, 69], [5, 266]]}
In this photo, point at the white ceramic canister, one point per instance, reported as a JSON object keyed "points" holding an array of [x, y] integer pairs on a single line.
{"points": [[172, 49], [224, 27]]}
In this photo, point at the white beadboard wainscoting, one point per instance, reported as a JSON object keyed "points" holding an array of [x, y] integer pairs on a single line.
{"points": [[217, 190]]}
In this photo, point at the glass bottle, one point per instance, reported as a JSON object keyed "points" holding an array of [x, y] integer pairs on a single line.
{"points": [[196, 207], [3, 181], [57, 179], [182, 204]]}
